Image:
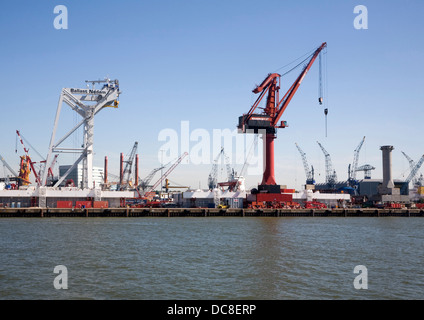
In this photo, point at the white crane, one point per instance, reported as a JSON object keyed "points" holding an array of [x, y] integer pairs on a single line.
{"points": [[330, 173], [309, 172], [353, 170], [412, 174], [411, 162], [87, 103]]}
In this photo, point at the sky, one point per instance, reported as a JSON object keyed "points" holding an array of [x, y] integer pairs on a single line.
{"points": [[197, 61]]}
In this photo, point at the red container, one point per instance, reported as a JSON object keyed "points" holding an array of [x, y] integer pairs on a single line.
{"points": [[83, 204], [274, 197], [64, 204], [100, 204]]}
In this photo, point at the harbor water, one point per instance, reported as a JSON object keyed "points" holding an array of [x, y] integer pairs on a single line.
{"points": [[265, 258]]}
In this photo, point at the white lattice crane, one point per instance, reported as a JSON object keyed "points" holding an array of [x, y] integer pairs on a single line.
{"points": [[352, 173], [309, 172], [330, 173], [165, 175], [412, 174], [213, 176], [144, 183], [86, 103], [5, 164], [411, 162]]}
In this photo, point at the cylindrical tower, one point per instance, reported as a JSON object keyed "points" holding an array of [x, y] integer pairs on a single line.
{"points": [[136, 170], [105, 171], [387, 167], [121, 170]]}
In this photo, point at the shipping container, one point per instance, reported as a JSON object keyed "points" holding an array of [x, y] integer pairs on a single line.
{"points": [[100, 204], [274, 197], [83, 204], [393, 205], [64, 204]]}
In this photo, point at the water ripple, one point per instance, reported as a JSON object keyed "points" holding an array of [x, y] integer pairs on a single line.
{"points": [[212, 258]]}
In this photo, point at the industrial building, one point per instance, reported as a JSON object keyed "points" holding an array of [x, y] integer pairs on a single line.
{"points": [[75, 176]]}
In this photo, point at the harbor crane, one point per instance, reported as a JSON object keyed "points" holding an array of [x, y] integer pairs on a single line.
{"points": [[144, 183], [237, 183], [367, 170], [411, 166], [8, 166], [309, 172], [165, 175], [13, 172], [24, 171], [412, 174], [267, 122], [127, 171], [354, 167], [31, 163], [330, 173], [213, 176], [87, 103]]}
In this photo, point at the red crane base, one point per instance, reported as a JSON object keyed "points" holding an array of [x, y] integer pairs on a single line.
{"points": [[269, 175]]}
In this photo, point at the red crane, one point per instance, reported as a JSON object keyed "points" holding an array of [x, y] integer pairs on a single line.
{"points": [[267, 122], [37, 179], [37, 176]]}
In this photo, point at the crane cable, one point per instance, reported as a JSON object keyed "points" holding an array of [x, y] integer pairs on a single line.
{"points": [[320, 93], [324, 91], [308, 54], [300, 63], [322, 80], [323, 83]]}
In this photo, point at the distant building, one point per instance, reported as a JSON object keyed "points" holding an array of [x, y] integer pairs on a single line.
{"points": [[369, 187], [76, 175], [365, 187]]}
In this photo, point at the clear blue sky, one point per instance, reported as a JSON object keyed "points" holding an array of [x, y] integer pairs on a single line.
{"points": [[197, 61]]}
